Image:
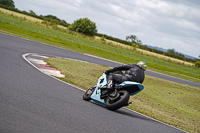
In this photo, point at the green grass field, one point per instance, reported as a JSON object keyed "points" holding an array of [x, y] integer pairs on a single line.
{"points": [[169, 102], [116, 44], [80, 43]]}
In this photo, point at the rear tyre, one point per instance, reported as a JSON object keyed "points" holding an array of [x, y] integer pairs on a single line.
{"points": [[88, 93], [120, 102]]}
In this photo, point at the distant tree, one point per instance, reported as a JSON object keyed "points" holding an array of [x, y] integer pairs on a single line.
{"points": [[198, 59], [132, 38], [171, 51], [197, 64], [84, 25], [32, 12], [9, 3], [139, 41], [127, 38], [63, 21], [51, 17]]}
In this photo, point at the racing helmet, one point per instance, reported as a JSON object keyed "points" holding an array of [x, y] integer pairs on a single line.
{"points": [[142, 64]]}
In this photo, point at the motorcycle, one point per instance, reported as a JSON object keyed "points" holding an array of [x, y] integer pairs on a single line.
{"points": [[115, 98]]}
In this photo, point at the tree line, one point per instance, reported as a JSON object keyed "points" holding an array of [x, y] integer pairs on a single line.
{"points": [[133, 39]]}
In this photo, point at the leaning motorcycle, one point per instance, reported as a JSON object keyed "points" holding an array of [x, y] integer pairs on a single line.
{"points": [[115, 98]]}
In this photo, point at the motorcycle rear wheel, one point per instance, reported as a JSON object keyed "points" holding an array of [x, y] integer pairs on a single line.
{"points": [[122, 101], [88, 93]]}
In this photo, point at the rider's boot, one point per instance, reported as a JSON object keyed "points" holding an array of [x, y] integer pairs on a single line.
{"points": [[110, 85]]}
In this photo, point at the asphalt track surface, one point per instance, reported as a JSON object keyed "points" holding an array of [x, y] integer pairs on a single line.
{"points": [[32, 102]]}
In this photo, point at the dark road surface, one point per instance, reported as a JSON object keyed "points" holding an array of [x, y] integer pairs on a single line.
{"points": [[32, 102]]}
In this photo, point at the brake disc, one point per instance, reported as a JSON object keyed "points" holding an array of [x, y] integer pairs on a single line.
{"points": [[115, 97]]}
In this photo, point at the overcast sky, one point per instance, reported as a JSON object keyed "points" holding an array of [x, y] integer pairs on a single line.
{"points": [[164, 23]]}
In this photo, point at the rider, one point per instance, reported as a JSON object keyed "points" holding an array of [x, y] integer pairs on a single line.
{"points": [[134, 72]]}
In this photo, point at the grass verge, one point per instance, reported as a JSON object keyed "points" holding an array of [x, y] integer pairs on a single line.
{"points": [[173, 103]]}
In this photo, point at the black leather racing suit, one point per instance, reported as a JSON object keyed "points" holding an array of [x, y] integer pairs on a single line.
{"points": [[133, 73]]}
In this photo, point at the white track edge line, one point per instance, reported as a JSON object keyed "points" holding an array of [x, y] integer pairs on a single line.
{"points": [[24, 56], [155, 120]]}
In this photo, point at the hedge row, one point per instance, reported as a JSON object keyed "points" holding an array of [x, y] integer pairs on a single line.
{"points": [[177, 56]]}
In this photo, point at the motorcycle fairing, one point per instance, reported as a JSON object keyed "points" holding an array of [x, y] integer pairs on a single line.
{"points": [[96, 94], [130, 83]]}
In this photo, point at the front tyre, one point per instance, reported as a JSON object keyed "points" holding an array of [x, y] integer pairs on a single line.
{"points": [[88, 93], [120, 102]]}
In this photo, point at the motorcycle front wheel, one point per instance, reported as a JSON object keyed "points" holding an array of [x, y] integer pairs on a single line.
{"points": [[88, 93], [120, 102]]}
